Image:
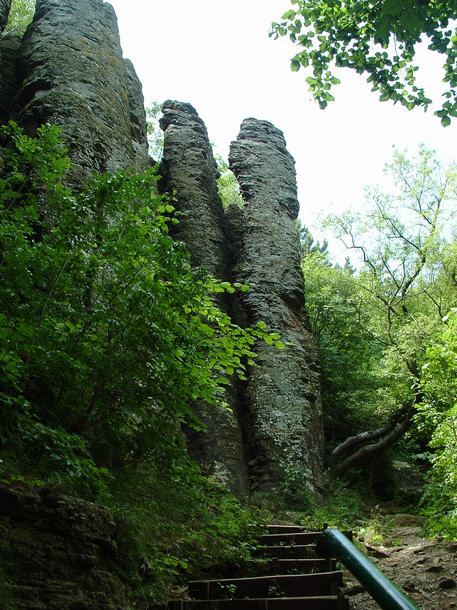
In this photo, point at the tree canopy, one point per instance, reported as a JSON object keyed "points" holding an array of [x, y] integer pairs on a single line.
{"points": [[20, 16], [378, 38], [387, 329]]}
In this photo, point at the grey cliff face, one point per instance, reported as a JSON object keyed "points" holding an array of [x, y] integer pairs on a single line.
{"points": [[72, 73], [5, 6], [282, 394], [189, 170]]}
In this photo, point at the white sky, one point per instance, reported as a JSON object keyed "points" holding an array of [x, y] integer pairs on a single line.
{"points": [[218, 56]]}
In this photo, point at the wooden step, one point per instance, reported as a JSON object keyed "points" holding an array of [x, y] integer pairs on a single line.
{"points": [[289, 538], [284, 529], [302, 566], [330, 602], [295, 551], [296, 585]]}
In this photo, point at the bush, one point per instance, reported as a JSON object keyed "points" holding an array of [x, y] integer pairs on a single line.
{"points": [[107, 337]]}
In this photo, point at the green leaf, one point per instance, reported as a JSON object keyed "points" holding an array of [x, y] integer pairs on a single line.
{"points": [[295, 65], [289, 15]]}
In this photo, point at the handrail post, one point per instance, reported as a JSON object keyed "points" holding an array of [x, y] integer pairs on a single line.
{"points": [[332, 543]]}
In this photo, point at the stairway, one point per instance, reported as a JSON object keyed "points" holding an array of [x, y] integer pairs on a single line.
{"points": [[297, 579]]}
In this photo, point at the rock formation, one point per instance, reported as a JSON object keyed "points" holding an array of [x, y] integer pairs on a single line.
{"points": [[278, 414], [69, 70], [8, 51], [58, 552], [188, 167], [282, 394], [189, 170], [72, 73], [9, 48], [5, 6]]}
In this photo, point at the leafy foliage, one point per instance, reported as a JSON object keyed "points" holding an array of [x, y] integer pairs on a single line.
{"points": [[227, 184], [155, 134], [341, 316], [438, 415], [377, 38], [402, 241], [180, 523], [20, 16], [375, 324], [107, 335]]}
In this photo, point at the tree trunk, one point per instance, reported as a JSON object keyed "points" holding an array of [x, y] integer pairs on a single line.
{"points": [[388, 435]]}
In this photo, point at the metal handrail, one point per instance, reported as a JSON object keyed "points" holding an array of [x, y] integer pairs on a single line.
{"points": [[332, 543]]}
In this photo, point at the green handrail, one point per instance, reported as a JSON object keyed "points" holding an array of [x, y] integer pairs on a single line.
{"points": [[332, 543]]}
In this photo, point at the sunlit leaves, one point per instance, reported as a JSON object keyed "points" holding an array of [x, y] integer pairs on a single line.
{"points": [[107, 334], [20, 16], [378, 39], [438, 414]]}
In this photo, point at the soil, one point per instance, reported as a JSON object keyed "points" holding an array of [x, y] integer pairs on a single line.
{"points": [[425, 570]]}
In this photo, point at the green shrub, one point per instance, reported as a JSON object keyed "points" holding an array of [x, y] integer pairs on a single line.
{"points": [[107, 337]]}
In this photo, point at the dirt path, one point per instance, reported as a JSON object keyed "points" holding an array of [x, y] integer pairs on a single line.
{"points": [[425, 570]]}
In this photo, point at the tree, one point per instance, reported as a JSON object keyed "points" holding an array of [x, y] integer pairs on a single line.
{"points": [[227, 184], [308, 244], [20, 16], [408, 276], [438, 415], [378, 38], [341, 318], [155, 134]]}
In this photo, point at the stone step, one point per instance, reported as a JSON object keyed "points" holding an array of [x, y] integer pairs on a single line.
{"points": [[289, 538], [296, 585], [329, 602], [295, 551], [284, 529]]}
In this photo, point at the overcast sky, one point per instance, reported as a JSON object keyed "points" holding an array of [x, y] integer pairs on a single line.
{"points": [[218, 56]]}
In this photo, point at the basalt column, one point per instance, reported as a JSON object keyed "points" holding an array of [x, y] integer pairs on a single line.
{"points": [[8, 52], [72, 73], [5, 6], [189, 170], [282, 393]]}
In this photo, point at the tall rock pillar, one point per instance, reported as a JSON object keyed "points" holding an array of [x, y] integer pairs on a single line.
{"points": [[72, 73], [9, 46], [5, 6], [282, 393], [188, 169]]}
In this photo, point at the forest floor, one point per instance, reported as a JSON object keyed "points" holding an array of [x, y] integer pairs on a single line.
{"points": [[426, 570]]}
